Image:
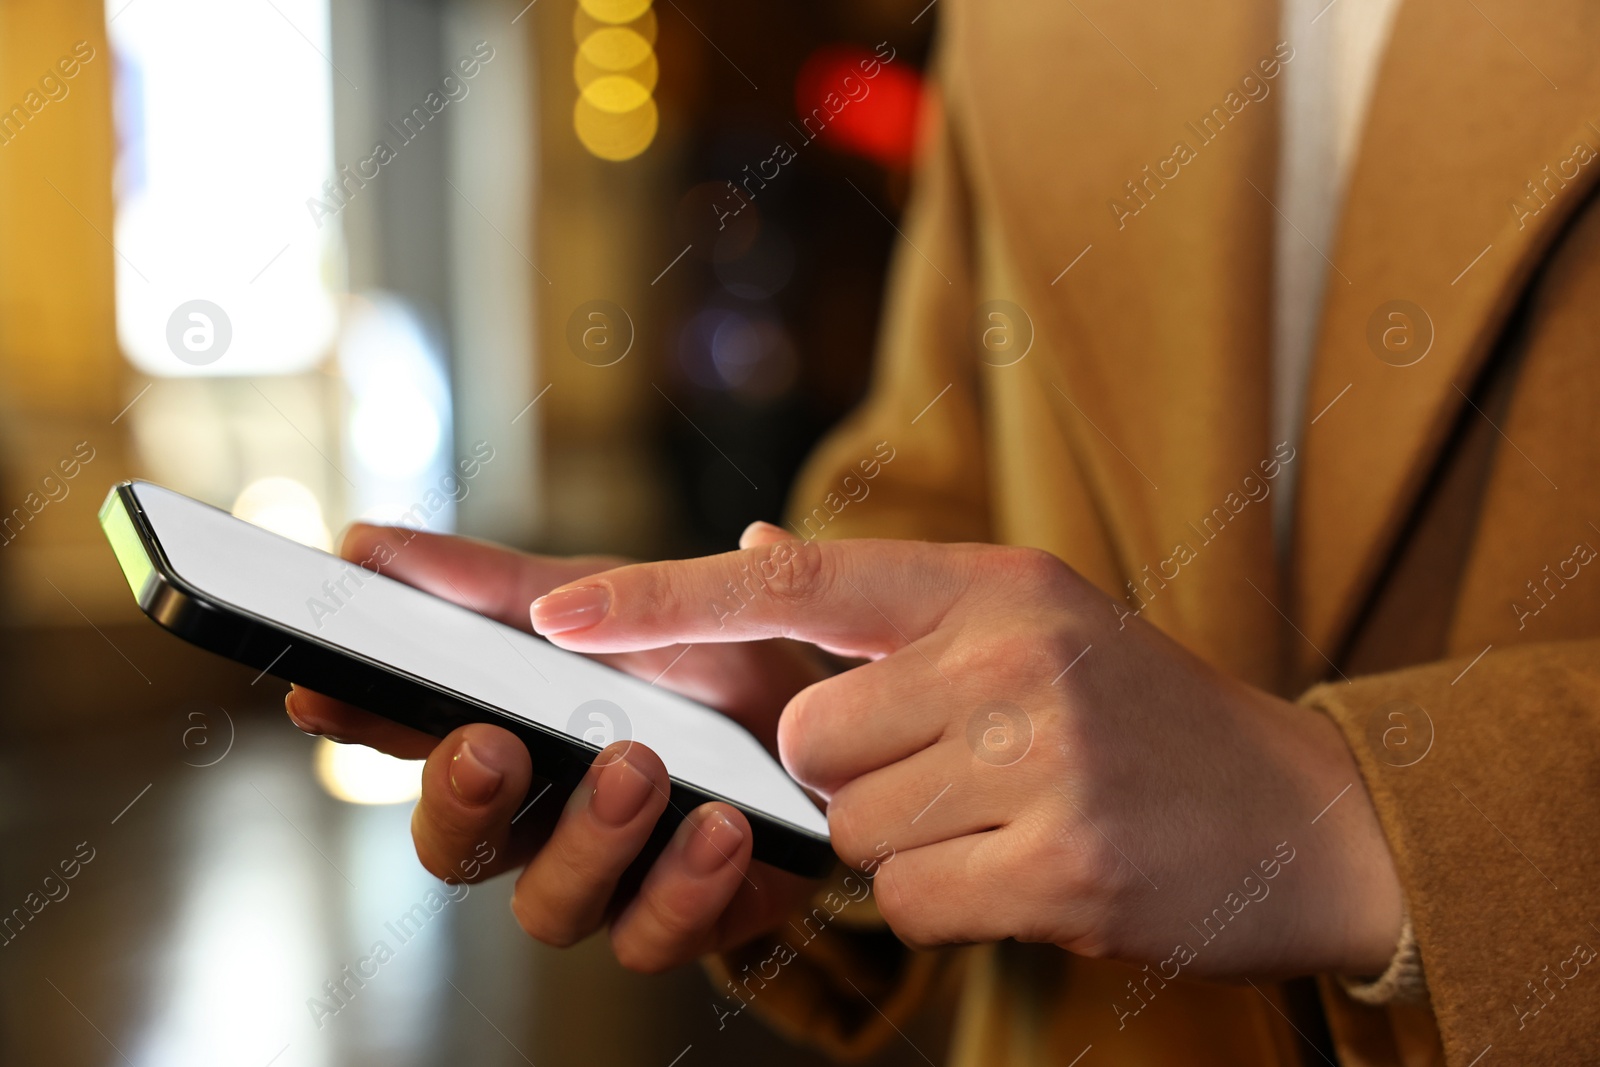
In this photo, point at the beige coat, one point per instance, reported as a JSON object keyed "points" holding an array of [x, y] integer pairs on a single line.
{"points": [[1442, 566]]}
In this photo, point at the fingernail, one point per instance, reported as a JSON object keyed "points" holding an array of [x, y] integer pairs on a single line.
{"points": [[344, 535], [620, 794], [711, 844], [303, 724], [473, 780], [571, 609], [759, 528]]}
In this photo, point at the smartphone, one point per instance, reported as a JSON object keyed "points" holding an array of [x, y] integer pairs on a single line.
{"points": [[314, 619]]}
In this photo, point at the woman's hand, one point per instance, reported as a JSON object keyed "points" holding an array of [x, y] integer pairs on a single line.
{"points": [[1041, 771], [703, 893]]}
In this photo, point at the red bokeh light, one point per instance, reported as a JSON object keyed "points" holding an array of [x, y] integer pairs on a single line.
{"points": [[840, 105]]}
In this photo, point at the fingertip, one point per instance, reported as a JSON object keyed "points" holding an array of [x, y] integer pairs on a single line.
{"points": [[354, 538], [474, 779], [712, 839], [624, 791], [476, 767], [472, 785], [297, 713], [642, 757], [762, 532], [498, 749], [569, 609], [687, 892]]}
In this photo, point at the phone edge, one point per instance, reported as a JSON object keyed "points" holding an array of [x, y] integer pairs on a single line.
{"points": [[237, 634]]}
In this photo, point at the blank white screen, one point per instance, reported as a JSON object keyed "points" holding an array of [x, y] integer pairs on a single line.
{"points": [[278, 579]]}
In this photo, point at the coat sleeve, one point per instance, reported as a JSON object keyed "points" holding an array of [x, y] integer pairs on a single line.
{"points": [[1484, 774], [833, 976], [907, 464]]}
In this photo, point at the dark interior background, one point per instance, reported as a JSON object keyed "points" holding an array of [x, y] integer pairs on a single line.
{"points": [[228, 880]]}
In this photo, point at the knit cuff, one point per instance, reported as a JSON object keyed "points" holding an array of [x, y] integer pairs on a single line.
{"points": [[1403, 982]]}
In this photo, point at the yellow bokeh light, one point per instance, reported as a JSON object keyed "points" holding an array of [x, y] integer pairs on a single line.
{"points": [[615, 48], [614, 135], [616, 94], [583, 24], [615, 11], [285, 507], [358, 775], [615, 69], [584, 73]]}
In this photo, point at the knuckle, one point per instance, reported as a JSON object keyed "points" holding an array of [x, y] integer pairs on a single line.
{"points": [[543, 923], [1035, 563], [570, 870], [673, 926], [1089, 869], [532, 920], [798, 733], [633, 956], [435, 849], [851, 827], [1010, 650], [890, 890], [433, 863], [1032, 568], [671, 935], [797, 577], [1098, 943], [649, 590], [901, 903], [1015, 650]]}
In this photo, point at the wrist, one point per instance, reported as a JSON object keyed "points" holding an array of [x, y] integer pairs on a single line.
{"points": [[1361, 894], [1402, 982]]}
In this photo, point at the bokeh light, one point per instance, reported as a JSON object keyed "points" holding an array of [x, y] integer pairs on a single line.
{"points": [[616, 48], [616, 11], [744, 352], [394, 429], [614, 136], [356, 774], [285, 507], [398, 433], [616, 94], [646, 72], [615, 68], [874, 117], [179, 233], [754, 269]]}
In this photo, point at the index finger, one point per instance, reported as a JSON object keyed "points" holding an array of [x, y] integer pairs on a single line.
{"points": [[491, 580], [864, 597]]}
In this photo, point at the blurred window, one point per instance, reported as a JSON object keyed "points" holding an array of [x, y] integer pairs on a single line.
{"points": [[224, 117]]}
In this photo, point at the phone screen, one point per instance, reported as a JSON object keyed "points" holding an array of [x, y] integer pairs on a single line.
{"points": [[341, 604]]}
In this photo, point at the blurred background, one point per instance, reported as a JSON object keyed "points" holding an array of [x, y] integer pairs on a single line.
{"points": [[299, 258]]}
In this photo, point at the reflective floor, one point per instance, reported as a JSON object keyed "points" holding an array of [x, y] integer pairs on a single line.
{"points": [[184, 892]]}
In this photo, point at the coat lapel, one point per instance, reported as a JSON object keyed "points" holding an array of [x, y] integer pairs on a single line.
{"points": [[1149, 295], [1441, 232]]}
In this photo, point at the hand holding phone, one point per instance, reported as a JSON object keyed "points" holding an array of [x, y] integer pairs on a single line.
{"points": [[421, 668], [692, 901]]}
